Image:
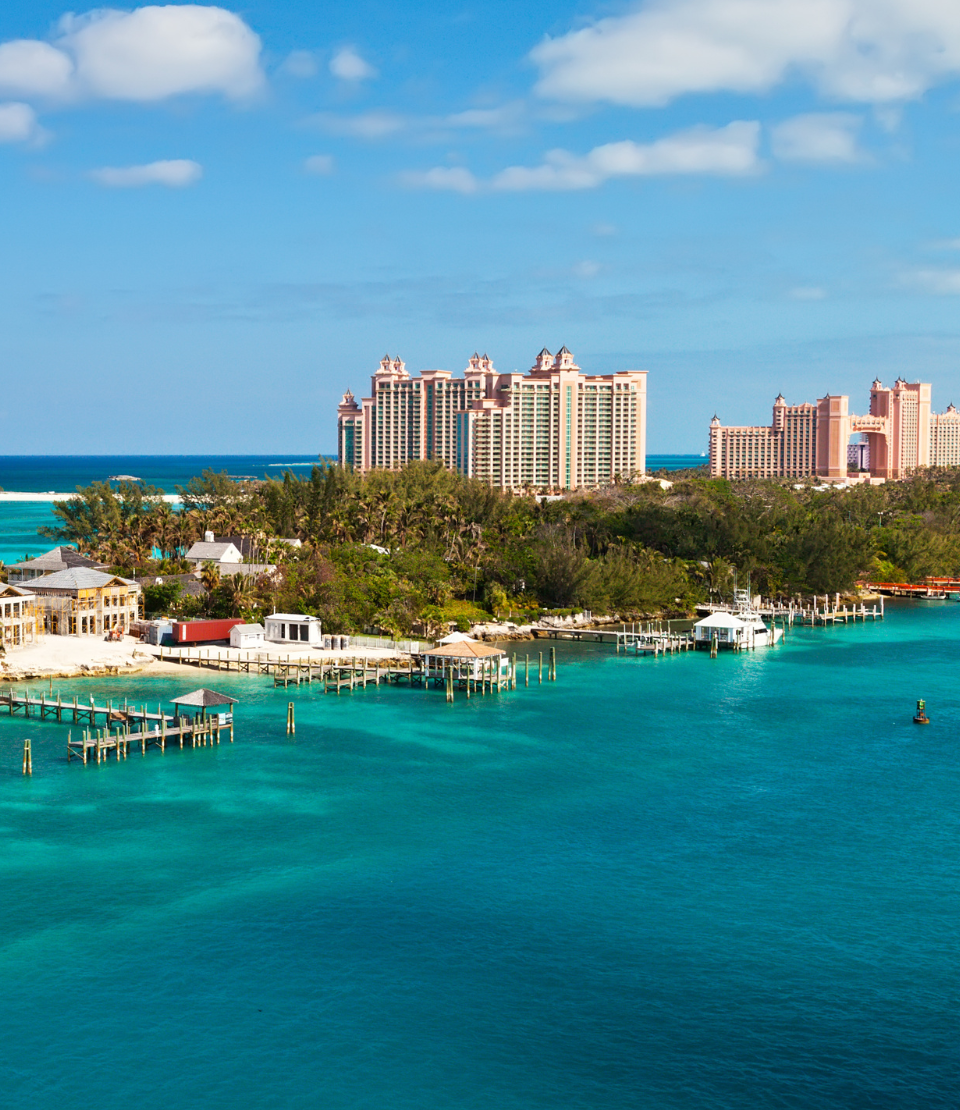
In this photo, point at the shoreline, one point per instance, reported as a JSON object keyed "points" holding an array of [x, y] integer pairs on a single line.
{"points": [[50, 496], [88, 657]]}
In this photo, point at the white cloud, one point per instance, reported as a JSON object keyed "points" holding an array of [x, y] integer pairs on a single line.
{"points": [[175, 173], [320, 164], [148, 54], [300, 63], [453, 178], [31, 68], [871, 51], [367, 125], [730, 150], [587, 268], [818, 137], [381, 123], [505, 117], [808, 293], [347, 65], [943, 282], [18, 123]]}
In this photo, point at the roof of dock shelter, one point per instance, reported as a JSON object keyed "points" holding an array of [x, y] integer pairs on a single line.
{"points": [[455, 638], [721, 620], [204, 699], [466, 649]]}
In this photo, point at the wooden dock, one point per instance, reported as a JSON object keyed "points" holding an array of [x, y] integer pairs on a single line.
{"points": [[101, 742], [47, 707], [357, 674], [636, 639], [124, 725], [820, 610]]}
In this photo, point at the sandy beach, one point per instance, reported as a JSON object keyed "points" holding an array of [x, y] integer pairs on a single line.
{"points": [[77, 656], [51, 495]]}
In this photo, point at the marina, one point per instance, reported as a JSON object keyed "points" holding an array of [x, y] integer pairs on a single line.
{"points": [[124, 725]]}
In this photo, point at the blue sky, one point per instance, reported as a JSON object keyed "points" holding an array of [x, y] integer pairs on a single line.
{"points": [[216, 220]]}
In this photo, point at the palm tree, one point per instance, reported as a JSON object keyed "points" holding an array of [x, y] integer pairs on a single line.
{"points": [[210, 576]]}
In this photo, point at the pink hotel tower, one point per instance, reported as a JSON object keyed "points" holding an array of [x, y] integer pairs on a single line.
{"points": [[552, 428], [900, 433]]}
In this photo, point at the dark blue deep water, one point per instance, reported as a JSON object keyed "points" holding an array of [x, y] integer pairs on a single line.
{"points": [[679, 883]]}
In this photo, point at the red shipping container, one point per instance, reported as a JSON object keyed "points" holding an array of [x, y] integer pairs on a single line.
{"points": [[200, 632]]}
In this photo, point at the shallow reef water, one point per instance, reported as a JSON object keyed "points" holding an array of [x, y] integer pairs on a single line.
{"points": [[664, 883]]}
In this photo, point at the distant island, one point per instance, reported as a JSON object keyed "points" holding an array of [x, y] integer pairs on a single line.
{"points": [[423, 547]]}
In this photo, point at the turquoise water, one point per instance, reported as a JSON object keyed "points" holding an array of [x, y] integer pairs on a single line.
{"points": [[672, 883], [19, 520]]}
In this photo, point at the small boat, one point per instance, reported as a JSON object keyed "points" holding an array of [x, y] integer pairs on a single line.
{"points": [[920, 717]]}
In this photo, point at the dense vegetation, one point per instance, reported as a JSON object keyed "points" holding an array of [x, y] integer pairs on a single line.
{"points": [[453, 549]]}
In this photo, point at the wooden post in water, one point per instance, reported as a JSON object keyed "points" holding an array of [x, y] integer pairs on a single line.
{"points": [[450, 683], [553, 664], [713, 646], [540, 669], [27, 757], [291, 724], [526, 670]]}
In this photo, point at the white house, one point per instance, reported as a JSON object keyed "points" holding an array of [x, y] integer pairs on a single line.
{"points": [[293, 628], [247, 636], [208, 551]]}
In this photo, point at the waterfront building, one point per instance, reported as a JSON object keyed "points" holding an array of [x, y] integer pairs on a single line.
{"points": [[552, 428], [293, 628], [247, 636], [84, 602], [945, 438], [466, 658], [18, 616], [50, 562], [897, 435]]}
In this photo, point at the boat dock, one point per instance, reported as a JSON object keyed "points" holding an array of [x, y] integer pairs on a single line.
{"points": [[124, 725], [101, 742], [357, 674], [45, 707], [810, 611]]}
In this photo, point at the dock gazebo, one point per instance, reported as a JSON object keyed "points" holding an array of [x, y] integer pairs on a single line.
{"points": [[204, 699], [466, 658]]}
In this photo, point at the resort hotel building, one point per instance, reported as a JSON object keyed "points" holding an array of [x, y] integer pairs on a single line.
{"points": [[551, 428], [897, 435]]}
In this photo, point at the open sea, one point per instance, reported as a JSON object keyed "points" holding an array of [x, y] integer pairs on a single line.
{"points": [[19, 520], [673, 883]]}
